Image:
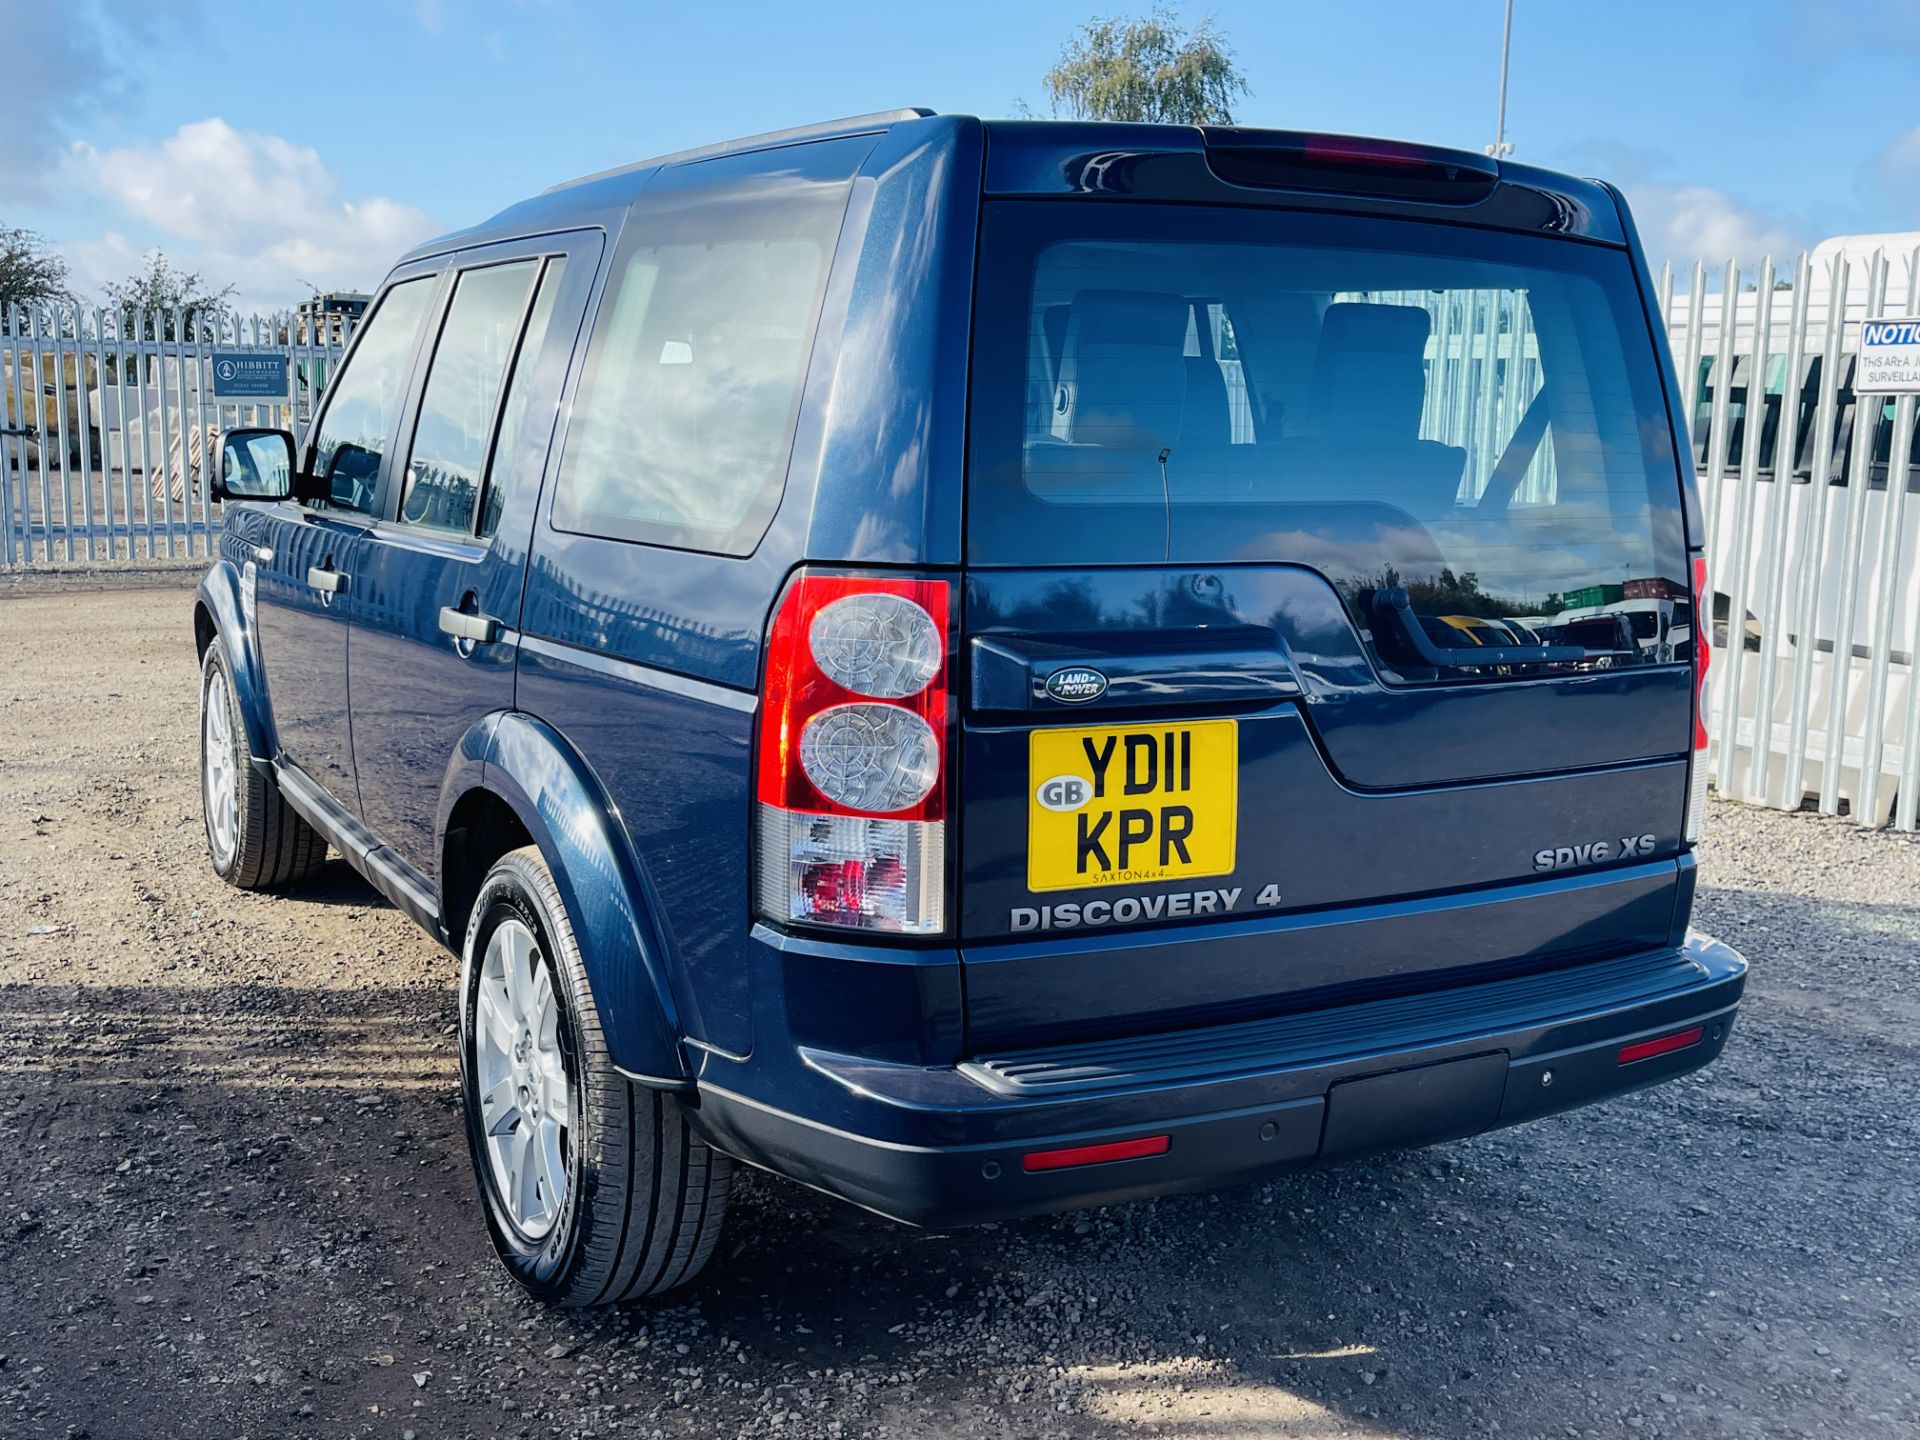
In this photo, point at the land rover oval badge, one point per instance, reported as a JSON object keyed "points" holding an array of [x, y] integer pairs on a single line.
{"points": [[1076, 685]]}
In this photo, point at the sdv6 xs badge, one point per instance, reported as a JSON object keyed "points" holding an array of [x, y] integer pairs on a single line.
{"points": [[1076, 685], [1594, 852]]}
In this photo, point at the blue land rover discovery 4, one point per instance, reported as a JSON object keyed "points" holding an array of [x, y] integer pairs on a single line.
{"points": [[988, 667]]}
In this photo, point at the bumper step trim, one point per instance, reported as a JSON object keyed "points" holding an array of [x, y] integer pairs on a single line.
{"points": [[1319, 1037]]}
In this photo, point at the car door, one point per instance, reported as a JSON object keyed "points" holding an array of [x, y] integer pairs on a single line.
{"points": [[311, 548], [439, 585]]}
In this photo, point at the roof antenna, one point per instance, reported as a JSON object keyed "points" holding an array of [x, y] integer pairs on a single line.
{"points": [[1166, 499], [1500, 146]]}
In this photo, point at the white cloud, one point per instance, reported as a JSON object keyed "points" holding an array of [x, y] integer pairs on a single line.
{"points": [[1681, 221], [249, 209], [1684, 223]]}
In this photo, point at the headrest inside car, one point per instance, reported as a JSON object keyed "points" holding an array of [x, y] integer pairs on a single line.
{"points": [[1123, 377], [1371, 369]]}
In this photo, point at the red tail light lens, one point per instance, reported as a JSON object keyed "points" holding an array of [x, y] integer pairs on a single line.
{"points": [[1703, 650], [855, 735], [1702, 655]]}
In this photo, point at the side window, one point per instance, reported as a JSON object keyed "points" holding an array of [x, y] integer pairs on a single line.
{"points": [[365, 398], [683, 424], [457, 410], [513, 415]]}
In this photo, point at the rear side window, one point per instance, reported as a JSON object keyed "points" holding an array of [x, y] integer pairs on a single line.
{"points": [[450, 438], [1472, 415], [683, 424], [514, 410]]}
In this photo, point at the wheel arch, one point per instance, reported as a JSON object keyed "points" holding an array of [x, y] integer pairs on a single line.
{"points": [[534, 788], [220, 618]]}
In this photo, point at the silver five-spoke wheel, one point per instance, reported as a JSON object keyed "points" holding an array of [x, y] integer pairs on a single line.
{"points": [[525, 1100], [596, 1188], [217, 778]]}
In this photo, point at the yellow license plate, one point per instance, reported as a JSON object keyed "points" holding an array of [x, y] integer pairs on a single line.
{"points": [[1126, 804]]}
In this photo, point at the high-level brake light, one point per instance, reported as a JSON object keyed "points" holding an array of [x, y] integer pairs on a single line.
{"points": [[1348, 165], [855, 739]]}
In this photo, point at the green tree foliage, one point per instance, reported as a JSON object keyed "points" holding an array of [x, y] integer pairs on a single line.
{"points": [[1153, 69], [30, 274], [160, 290]]}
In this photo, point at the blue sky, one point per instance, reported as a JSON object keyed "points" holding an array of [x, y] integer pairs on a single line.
{"points": [[271, 145]]}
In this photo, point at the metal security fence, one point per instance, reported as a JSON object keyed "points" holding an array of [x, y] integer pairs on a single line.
{"points": [[109, 423], [1813, 531]]}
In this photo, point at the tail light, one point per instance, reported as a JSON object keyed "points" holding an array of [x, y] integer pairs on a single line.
{"points": [[855, 755], [1702, 654]]}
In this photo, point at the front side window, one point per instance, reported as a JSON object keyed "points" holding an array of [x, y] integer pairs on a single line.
{"points": [[457, 410], [364, 401], [683, 424]]}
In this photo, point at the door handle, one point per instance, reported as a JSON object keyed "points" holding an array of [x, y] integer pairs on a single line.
{"points": [[327, 582], [481, 629]]}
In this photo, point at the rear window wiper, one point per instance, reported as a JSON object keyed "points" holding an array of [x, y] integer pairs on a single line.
{"points": [[1391, 603]]}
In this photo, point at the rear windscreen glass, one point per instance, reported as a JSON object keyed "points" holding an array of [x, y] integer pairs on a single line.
{"points": [[1470, 415]]}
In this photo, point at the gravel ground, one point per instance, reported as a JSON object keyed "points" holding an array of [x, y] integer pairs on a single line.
{"points": [[234, 1198]]}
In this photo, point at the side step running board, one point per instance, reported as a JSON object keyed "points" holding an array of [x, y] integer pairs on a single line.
{"points": [[393, 877]]}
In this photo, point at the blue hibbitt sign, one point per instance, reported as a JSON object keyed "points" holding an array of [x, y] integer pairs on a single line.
{"points": [[244, 375]]}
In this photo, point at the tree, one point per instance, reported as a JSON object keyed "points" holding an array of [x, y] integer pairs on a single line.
{"points": [[30, 274], [1152, 69], [160, 290]]}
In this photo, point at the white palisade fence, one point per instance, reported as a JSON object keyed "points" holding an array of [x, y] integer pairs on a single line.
{"points": [[108, 424], [1813, 530]]}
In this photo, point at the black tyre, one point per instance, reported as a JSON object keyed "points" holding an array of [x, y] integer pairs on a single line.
{"points": [[255, 839], [595, 1188]]}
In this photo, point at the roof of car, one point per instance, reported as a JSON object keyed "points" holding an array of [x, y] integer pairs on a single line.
{"points": [[604, 195], [1026, 157]]}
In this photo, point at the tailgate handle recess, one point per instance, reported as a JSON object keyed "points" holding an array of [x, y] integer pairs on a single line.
{"points": [[1238, 666]]}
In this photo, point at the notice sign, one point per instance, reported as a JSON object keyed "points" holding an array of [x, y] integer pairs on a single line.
{"points": [[1889, 357], [248, 375]]}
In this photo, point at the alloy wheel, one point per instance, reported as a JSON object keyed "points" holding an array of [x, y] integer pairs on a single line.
{"points": [[219, 782], [525, 1094]]}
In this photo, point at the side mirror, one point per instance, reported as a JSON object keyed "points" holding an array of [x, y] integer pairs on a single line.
{"points": [[255, 465]]}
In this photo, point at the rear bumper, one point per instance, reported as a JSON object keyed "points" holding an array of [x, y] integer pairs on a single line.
{"points": [[952, 1145]]}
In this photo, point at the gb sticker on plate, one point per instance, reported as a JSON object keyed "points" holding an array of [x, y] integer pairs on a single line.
{"points": [[1126, 804]]}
